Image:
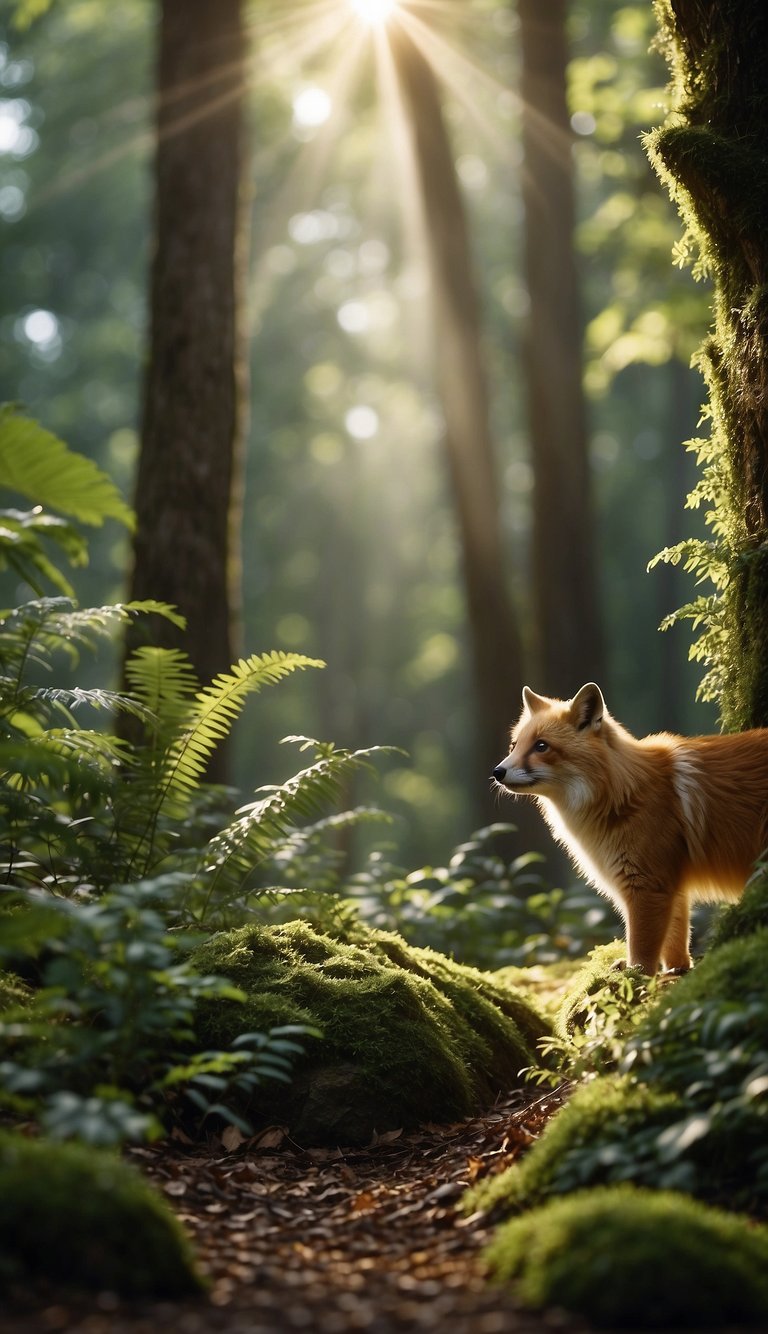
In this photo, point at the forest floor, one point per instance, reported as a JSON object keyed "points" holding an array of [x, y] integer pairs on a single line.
{"points": [[328, 1240]]}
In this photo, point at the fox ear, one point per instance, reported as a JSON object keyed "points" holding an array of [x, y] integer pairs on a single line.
{"points": [[587, 708], [532, 702]]}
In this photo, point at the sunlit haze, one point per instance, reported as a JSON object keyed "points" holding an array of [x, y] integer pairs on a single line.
{"points": [[374, 12]]}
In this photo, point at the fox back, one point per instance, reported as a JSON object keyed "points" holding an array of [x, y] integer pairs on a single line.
{"points": [[652, 822]]}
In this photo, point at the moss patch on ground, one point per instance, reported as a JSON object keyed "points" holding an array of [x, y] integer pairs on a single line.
{"points": [[75, 1216], [624, 1258], [408, 1035]]}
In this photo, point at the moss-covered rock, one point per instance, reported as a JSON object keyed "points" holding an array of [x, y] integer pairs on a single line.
{"points": [[408, 1035], [80, 1217], [604, 1133], [624, 1258]]}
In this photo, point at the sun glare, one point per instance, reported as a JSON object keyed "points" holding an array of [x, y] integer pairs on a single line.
{"points": [[375, 13]]}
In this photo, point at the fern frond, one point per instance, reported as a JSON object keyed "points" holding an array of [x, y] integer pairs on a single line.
{"points": [[262, 826], [21, 549], [163, 681], [215, 709], [63, 760], [36, 464], [42, 626]]}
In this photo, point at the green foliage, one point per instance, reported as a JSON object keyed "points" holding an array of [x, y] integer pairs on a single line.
{"points": [[601, 1008], [408, 1035], [625, 1258], [482, 907], [103, 1049], [79, 1217], [38, 466]]}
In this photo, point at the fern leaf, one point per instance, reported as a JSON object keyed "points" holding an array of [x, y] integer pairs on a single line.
{"points": [[216, 707], [262, 826], [35, 463]]}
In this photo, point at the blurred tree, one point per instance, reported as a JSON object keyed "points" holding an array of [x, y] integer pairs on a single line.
{"points": [[567, 607], [496, 648], [187, 495], [712, 155]]}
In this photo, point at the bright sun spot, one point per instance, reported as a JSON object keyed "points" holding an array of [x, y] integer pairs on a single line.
{"points": [[311, 107], [374, 12]]}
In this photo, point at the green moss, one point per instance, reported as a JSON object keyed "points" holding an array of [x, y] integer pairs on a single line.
{"points": [[408, 1035], [80, 1217], [597, 1137], [598, 976], [625, 1258], [746, 916]]}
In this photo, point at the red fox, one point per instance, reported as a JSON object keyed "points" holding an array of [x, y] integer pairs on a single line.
{"points": [[653, 823]]}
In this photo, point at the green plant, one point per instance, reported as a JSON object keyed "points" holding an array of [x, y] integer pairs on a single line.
{"points": [[107, 845], [481, 908], [103, 1048]]}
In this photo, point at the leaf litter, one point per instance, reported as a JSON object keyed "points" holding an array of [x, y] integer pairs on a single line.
{"points": [[326, 1240]]}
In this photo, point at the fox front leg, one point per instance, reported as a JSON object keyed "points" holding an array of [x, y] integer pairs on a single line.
{"points": [[648, 918]]}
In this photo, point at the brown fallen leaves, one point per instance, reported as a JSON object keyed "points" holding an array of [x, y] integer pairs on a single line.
{"points": [[332, 1240]]}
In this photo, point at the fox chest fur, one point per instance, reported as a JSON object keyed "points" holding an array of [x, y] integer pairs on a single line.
{"points": [[653, 823]]}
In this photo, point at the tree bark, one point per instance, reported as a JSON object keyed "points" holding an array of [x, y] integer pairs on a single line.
{"points": [[564, 581], [187, 495], [495, 642]]}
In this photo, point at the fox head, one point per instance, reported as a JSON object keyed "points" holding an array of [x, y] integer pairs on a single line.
{"points": [[554, 747]]}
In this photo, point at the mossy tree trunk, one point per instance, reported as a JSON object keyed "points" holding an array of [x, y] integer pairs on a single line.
{"points": [[713, 155], [567, 615], [187, 493]]}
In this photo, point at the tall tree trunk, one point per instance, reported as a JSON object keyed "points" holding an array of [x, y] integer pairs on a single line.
{"points": [[463, 391], [712, 155], [567, 605], [187, 494]]}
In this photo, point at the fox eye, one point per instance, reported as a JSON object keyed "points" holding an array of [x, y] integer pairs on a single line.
{"points": [[541, 746]]}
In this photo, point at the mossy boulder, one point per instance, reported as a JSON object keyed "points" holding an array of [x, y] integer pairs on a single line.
{"points": [[408, 1035], [624, 1258], [604, 1133], [79, 1217]]}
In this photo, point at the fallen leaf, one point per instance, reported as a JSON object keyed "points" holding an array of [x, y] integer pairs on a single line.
{"points": [[232, 1137]]}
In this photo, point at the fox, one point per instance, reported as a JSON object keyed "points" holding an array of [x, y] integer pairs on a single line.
{"points": [[655, 823]]}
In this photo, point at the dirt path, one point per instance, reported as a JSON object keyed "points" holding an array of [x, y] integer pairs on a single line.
{"points": [[330, 1240]]}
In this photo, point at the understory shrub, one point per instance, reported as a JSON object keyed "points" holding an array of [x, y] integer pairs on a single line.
{"points": [[629, 1259], [79, 1217], [408, 1035]]}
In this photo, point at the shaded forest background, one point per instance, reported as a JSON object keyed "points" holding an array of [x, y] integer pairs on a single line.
{"points": [[351, 548]]}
